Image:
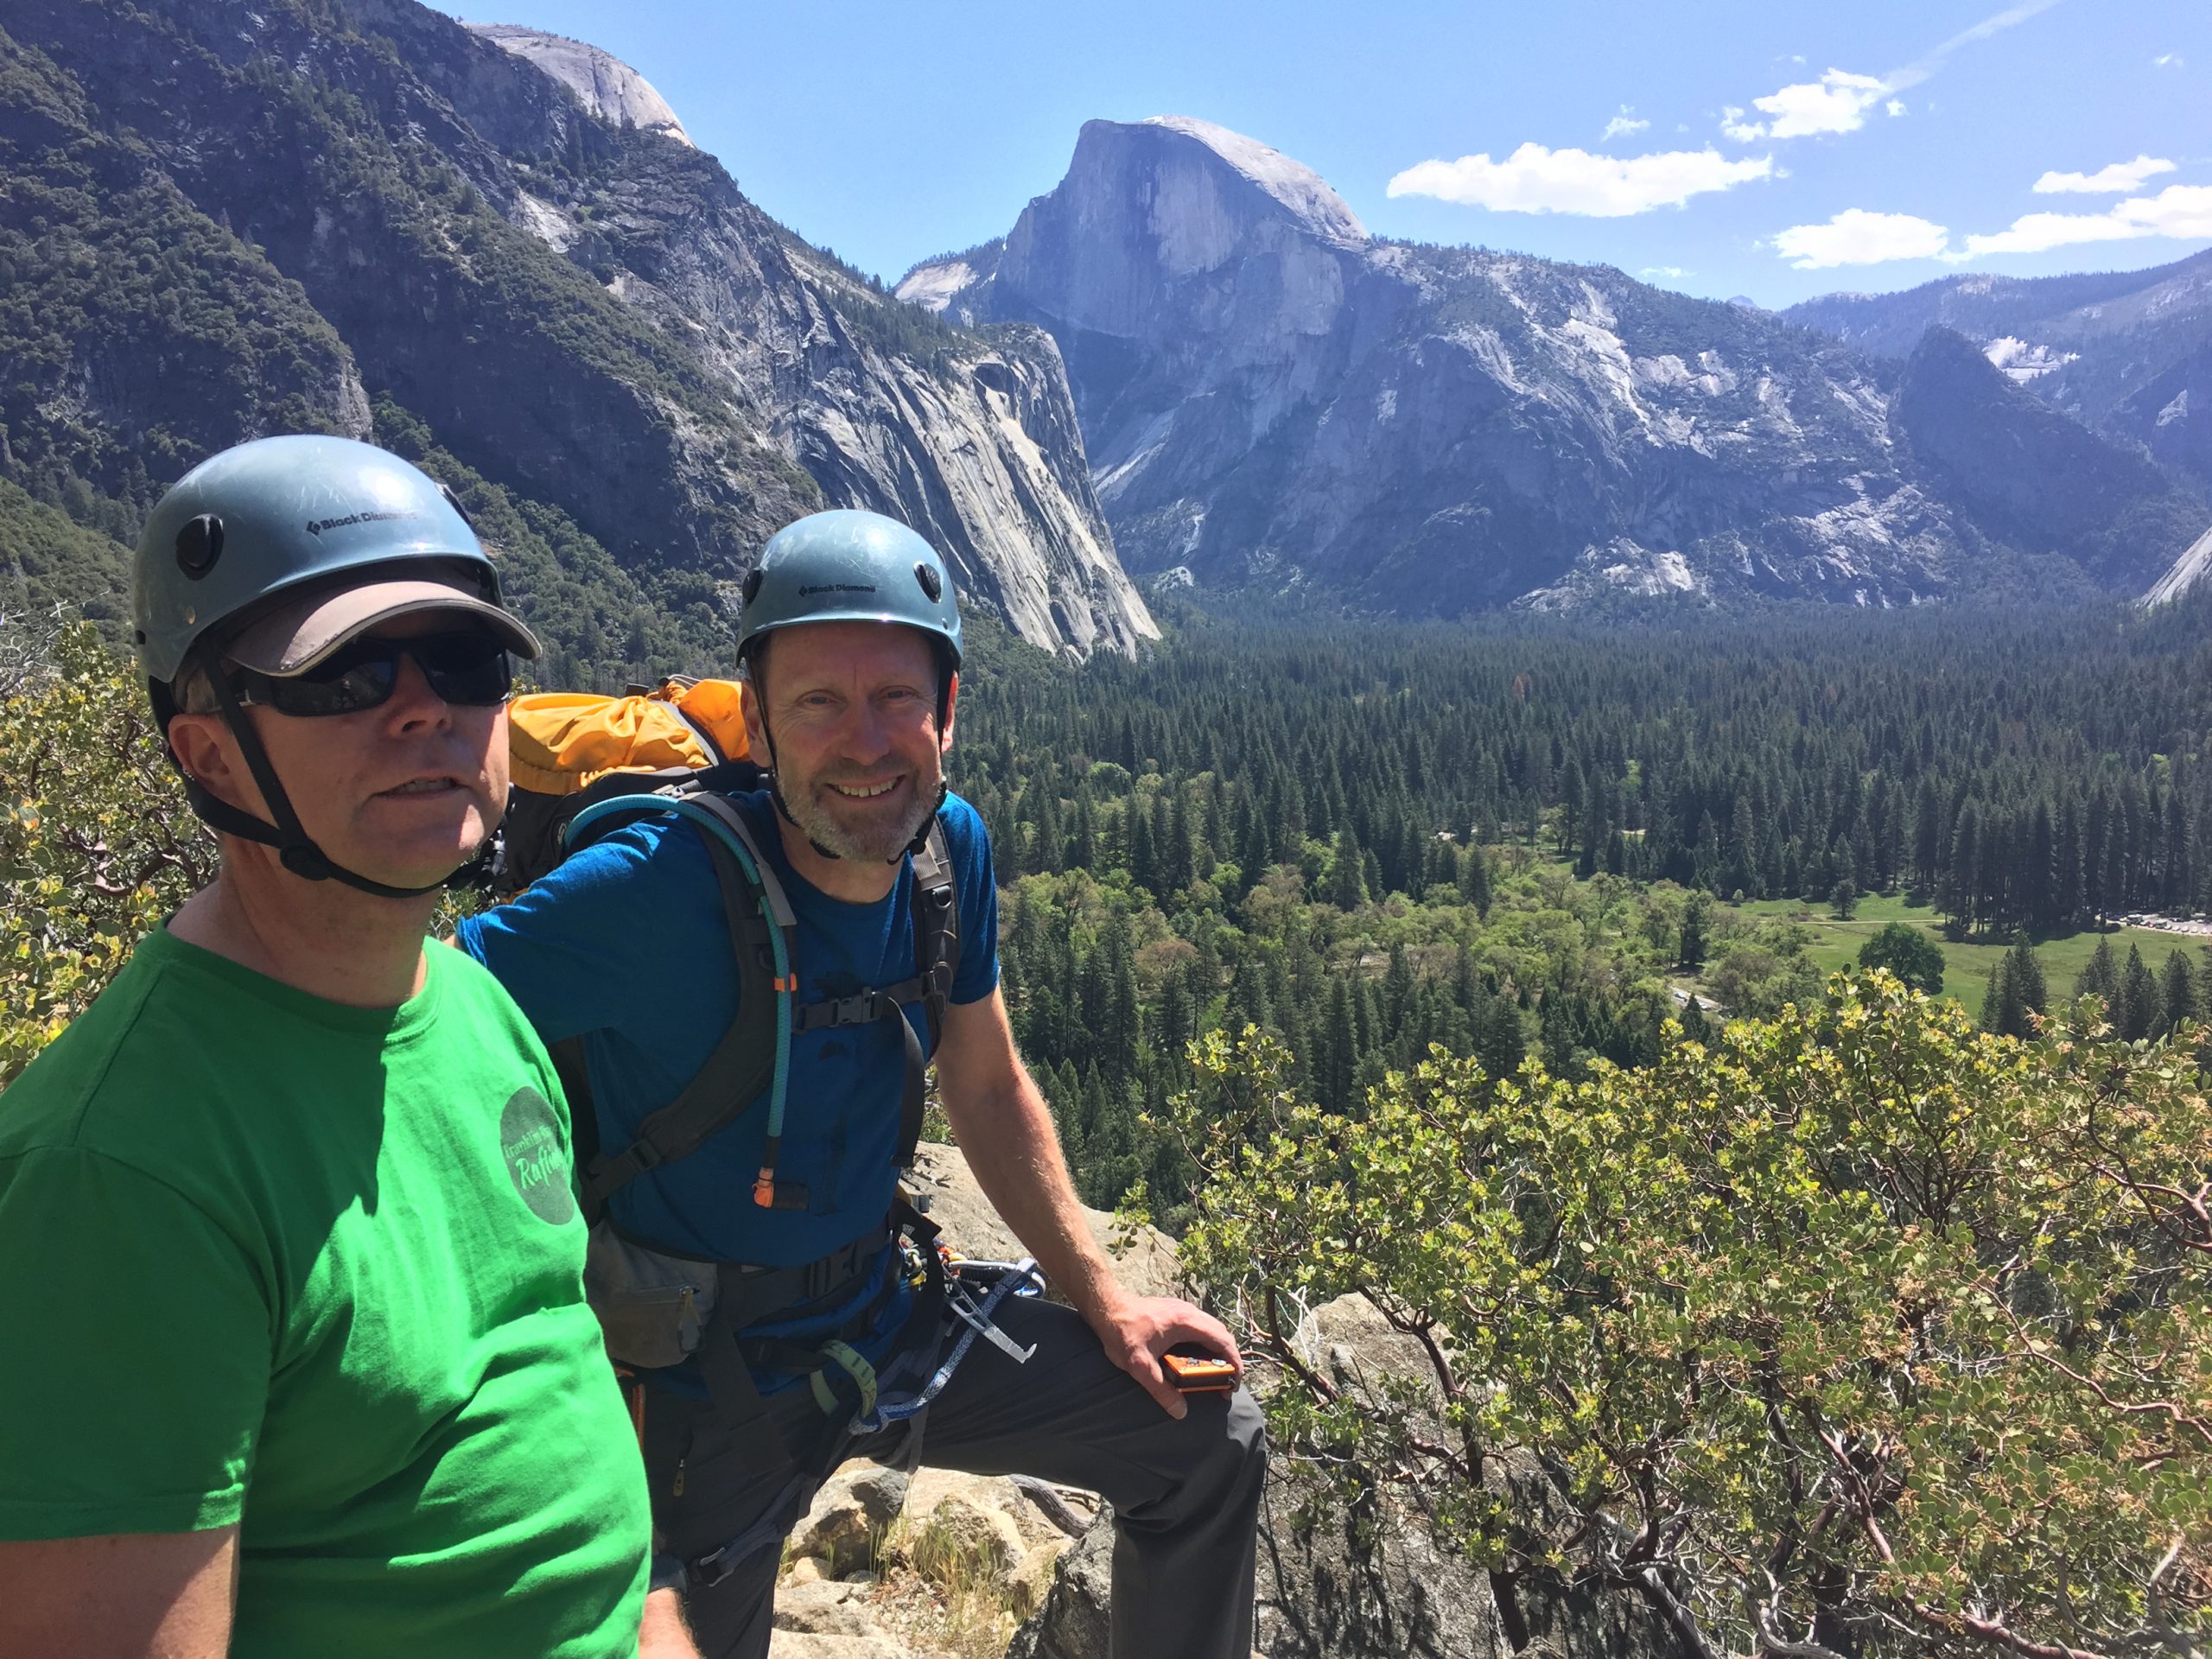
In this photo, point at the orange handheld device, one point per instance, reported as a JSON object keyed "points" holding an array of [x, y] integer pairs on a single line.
{"points": [[1192, 1369]]}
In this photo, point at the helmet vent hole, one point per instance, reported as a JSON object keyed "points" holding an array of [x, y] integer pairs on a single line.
{"points": [[932, 584], [199, 544], [751, 590]]}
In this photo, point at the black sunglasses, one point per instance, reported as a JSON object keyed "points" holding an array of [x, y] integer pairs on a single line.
{"points": [[468, 668]]}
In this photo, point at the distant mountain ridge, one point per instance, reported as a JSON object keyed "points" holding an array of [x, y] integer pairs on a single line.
{"points": [[366, 218], [2035, 478], [2129, 353], [1270, 397]]}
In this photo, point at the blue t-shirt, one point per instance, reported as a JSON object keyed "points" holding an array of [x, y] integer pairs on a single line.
{"points": [[625, 945]]}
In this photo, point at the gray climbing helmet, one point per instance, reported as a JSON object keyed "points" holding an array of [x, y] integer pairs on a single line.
{"points": [[287, 513], [849, 566]]}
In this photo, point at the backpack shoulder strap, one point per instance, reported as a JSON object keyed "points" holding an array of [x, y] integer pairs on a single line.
{"points": [[936, 957], [937, 924], [743, 1062], [936, 907]]}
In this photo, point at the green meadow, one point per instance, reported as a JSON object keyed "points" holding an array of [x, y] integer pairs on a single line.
{"points": [[1833, 944]]}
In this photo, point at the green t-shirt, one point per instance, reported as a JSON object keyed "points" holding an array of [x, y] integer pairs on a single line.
{"points": [[317, 1270]]}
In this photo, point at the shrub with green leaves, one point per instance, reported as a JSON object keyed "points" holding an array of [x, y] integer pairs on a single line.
{"points": [[1858, 1331], [97, 844]]}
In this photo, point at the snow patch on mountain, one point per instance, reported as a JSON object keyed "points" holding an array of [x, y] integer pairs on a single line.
{"points": [[2024, 360]]}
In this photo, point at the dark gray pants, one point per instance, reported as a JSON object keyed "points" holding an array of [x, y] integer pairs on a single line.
{"points": [[1185, 1495]]}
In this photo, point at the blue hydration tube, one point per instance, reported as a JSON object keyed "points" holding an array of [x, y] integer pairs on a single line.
{"points": [[630, 805]]}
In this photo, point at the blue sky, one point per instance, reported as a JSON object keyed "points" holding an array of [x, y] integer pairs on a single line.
{"points": [[1768, 149]]}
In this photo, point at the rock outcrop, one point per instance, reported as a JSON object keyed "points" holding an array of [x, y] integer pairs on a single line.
{"points": [[1373, 1583], [1271, 398], [1143, 1257], [568, 298], [885, 1560], [1332, 1585], [609, 88], [2184, 575]]}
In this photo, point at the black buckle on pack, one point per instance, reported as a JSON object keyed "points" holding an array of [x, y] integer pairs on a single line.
{"points": [[859, 1010], [710, 1569]]}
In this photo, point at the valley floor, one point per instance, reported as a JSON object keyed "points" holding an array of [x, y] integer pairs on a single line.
{"points": [[1833, 944]]}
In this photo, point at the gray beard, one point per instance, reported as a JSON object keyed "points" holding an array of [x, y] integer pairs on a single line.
{"points": [[881, 845]]}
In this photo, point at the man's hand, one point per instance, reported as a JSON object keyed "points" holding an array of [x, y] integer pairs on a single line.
{"points": [[1137, 1330]]}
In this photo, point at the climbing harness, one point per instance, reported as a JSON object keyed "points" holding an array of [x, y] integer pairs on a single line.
{"points": [[974, 1291]]}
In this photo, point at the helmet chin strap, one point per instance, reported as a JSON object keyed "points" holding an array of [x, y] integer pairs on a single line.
{"points": [[294, 850]]}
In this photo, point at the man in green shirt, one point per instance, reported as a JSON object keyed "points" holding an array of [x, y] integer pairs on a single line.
{"points": [[294, 1353]]}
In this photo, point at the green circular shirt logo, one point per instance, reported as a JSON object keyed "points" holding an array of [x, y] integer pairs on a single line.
{"points": [[536, 1161]]}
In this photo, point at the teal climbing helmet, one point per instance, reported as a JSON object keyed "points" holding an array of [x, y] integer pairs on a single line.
{"points": [[849, 566], [271, 555], [277, 515]]}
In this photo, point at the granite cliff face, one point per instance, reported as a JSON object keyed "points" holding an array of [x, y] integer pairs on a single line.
{"points": [[608, 88], [582, 308], [1271, 396], [2129, 353]]}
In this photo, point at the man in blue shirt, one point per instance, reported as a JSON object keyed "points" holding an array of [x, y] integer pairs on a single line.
{"points": [[850, 642]]}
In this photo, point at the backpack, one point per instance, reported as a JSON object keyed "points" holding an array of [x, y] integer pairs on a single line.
{"points": [[569, 750]]}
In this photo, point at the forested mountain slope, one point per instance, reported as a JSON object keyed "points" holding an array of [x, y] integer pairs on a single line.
{"points": [[1272, 397], [2040, 480], [364, 218]]}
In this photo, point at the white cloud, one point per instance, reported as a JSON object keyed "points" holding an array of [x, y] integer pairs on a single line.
{"points": [[1535, 179], [2179, 210], [2167, 61], [2034, 232], [1856, 236], [1733, 125], [2116, 180], [1622, 124], [1837, 102], [1672, 273]]}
